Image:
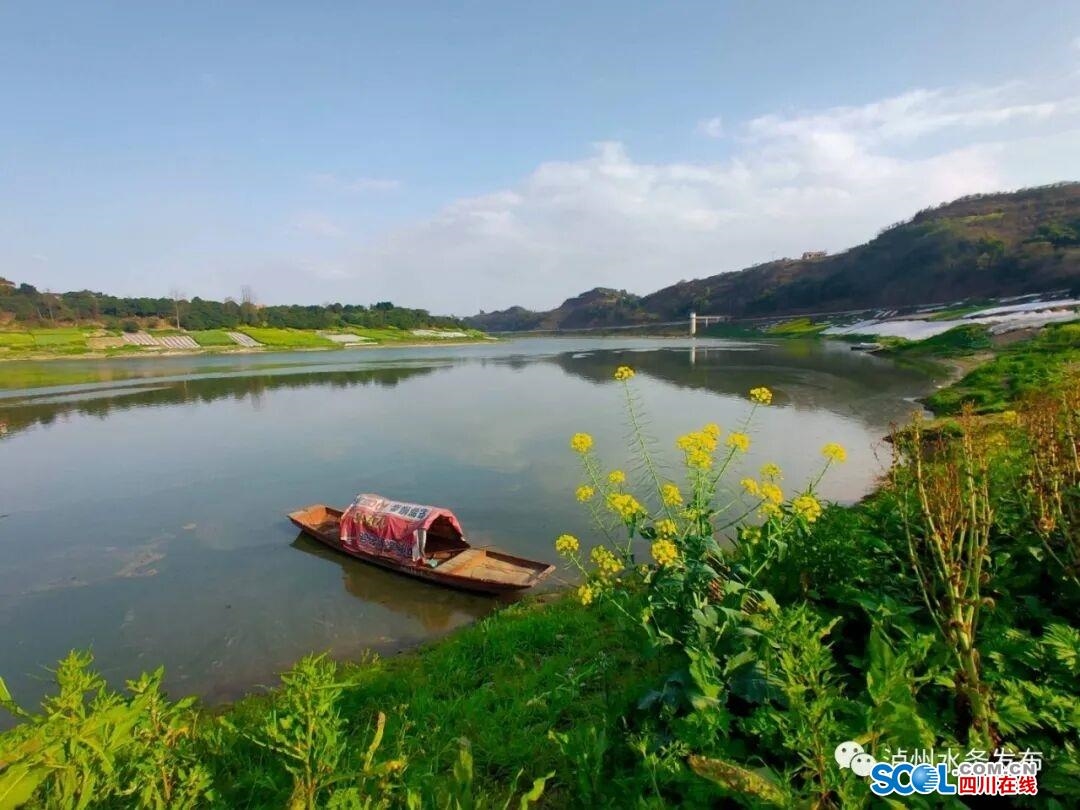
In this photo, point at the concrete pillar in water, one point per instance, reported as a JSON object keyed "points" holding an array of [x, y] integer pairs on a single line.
{"points": [[693, 324]]}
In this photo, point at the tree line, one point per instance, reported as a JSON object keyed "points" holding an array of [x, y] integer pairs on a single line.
{"points": [[33, 307]]}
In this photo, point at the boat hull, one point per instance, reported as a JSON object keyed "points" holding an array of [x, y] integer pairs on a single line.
{"points": [[484, 571]]}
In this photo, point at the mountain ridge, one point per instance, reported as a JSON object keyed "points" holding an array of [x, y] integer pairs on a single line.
{"points": [[979, 246]]}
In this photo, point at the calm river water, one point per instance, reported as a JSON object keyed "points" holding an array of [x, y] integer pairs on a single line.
{"points": [[143, 515]]}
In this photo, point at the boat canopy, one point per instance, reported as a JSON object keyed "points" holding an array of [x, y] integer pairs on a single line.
{"points": [[379, 525]]}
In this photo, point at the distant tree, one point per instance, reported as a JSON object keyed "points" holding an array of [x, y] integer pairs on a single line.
{"points": [[177, 298]]}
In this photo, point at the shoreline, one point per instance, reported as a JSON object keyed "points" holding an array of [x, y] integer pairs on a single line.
{"points": [[137, 355]]}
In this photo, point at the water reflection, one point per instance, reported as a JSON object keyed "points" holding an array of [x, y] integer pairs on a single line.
{"points": [[826, 375], [433, 606], [21, 413], [806, 375]]}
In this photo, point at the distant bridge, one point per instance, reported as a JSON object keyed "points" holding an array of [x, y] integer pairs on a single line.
{"points": [[694, 322]]}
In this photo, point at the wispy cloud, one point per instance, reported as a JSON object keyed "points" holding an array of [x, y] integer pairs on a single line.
{"points": [[337, 182], [312, 223], [712, 127], [915, 114]]}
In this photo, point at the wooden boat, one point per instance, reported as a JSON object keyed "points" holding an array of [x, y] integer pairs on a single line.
{"points": [[447, 560]]}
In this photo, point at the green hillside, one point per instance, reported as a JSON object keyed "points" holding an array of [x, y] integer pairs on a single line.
{"points": [[983, 246]]}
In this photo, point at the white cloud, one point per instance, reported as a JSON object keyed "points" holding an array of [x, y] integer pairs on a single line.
{"points": [[824, 179], [712, 127], [336, 182]]}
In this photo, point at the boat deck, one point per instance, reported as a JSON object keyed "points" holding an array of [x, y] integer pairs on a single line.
{"points": [[481, 564]]}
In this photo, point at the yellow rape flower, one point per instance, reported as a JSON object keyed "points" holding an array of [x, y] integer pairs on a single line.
{"points": [[566, 544], [670, 495], [760, 395], [772, 493], [623, 373], [769, 510], [586, 593], [581, 442], [699, 459], [624, 505], [771, 471], [616, 477], [666, 528], [585, 493], [665, 552], [699, 446], [834, 452], [750, 486], [750, 534], [807, 507], [738, 441], [606, 563]]}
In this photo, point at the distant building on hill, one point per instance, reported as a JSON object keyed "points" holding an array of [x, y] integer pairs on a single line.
{"points": [[811, 255]]}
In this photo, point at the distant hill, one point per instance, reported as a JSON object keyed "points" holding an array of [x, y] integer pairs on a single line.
{"points": [[982, 246], [597, 307]]}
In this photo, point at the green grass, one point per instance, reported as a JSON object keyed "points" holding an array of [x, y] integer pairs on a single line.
{"points": [[16, 340], [212, 337], [798, 327], [54, 341], [287, 338], [1016, 370], [957, 342], [379, 335], [503, 683]]}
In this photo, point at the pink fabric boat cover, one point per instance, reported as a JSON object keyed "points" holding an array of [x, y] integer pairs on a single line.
{"points": [[378, 525]]}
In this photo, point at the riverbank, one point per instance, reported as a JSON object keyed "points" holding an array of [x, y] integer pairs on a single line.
{"points": [[47, 371], [240, 350], [74, 343], [817, 633]]}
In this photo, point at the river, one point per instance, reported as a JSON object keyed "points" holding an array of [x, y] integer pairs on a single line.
{"points": [[142, 507]]}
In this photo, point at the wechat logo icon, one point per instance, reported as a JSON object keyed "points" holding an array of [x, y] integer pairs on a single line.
{"points": [[851, 755]]}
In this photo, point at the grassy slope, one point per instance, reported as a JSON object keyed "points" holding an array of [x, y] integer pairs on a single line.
{"points": [[286, 338], [212, 338], [503, 683]]}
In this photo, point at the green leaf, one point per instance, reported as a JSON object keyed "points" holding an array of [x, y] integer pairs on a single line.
{"points": [[18, 783], [536, 792], [741, 780]]}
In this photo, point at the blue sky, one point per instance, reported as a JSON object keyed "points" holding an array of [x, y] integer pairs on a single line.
{"points": [[479, 155]]}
